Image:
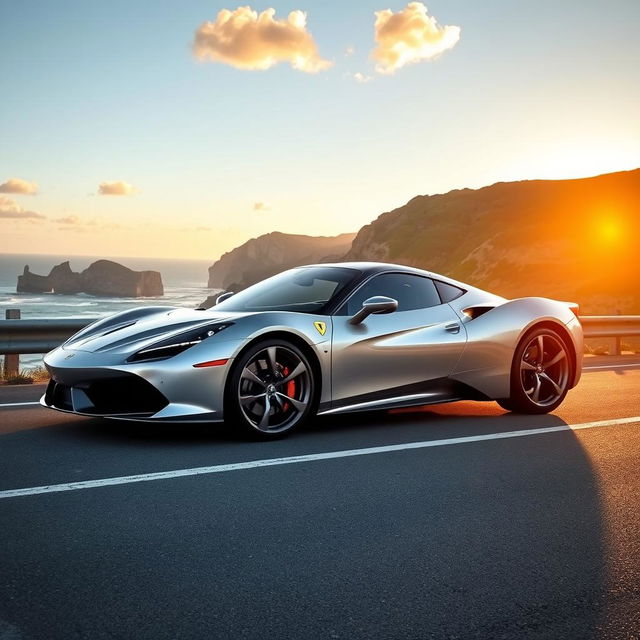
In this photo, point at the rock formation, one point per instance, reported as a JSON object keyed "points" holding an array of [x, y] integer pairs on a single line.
{"points": [[33, 283], [107, 278], [271, 253], [101, 278], [63, 280]]}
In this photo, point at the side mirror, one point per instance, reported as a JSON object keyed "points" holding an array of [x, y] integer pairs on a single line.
{"points": [[223, 296], [376, 304]]}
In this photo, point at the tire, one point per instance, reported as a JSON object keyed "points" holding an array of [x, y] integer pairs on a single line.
{"points": [[271, 390], [505, 403], [540, 373]]}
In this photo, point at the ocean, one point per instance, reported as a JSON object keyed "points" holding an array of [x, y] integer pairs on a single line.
{"points": [[185, 285]]}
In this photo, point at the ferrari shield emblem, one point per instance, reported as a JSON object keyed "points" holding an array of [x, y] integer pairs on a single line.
{"points": [[321, 327]]}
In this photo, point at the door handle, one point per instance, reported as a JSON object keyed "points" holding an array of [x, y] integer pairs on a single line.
{"points": [[453, 327]]}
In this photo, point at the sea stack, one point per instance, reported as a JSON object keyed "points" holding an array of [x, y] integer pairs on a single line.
{"points": [[33, 283], [101, 278], [107, 278]]}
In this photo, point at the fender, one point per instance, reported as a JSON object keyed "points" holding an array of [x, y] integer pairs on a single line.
{"points": [[251, 327], [492, 337]]}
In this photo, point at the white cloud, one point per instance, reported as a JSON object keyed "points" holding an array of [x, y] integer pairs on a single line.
{"points": [[361, 77], [71, 220], [247, 40], [409, 36], [118, 188], [84, 225], [11, 209], [20, 186]]}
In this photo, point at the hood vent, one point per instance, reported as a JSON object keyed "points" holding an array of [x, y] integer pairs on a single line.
{"points": [[118, 327]]}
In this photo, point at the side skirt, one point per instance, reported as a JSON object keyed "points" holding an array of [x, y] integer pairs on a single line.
{"points": [[432, 392]]}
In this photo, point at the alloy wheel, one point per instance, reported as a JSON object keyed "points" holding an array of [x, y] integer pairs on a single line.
{"points": [[544, 369], [274, 390]]}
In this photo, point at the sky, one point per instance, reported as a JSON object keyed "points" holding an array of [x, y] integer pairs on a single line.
{"points": [[182, 129]]}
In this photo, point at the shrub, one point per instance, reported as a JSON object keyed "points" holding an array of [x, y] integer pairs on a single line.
{"points": [[39, 374]]}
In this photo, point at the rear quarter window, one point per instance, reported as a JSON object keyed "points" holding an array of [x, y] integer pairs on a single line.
{"points": [[448, 292]]}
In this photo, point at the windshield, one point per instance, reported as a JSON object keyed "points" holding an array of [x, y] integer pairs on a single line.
{"points": [[306, 289]]}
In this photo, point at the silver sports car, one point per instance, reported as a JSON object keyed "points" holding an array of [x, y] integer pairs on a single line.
{"points": [[320, 339]]}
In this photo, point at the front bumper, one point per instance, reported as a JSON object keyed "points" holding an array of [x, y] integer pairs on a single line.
{"points": [[170, 390]]}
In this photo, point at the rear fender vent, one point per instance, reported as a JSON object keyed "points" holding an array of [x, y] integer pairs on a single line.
{"points": [[476, 312]]}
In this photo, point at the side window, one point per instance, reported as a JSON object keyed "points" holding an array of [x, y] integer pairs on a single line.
{"points": [[448, 292], [411, 292]]}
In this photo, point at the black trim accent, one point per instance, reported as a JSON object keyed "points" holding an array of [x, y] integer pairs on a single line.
{"points": [[58, 395], [445, 390]]}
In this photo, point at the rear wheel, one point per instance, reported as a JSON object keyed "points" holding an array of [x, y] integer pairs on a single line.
{"points": [[540, 373], [271, 390]]}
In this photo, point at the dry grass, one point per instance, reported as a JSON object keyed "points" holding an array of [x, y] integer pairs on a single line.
{"points": [[26, 376]]}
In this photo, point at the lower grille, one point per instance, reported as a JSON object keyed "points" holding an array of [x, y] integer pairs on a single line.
{"points": [[122, 394]]}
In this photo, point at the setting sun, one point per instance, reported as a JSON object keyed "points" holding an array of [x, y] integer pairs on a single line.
{"points": [[610, 230]]}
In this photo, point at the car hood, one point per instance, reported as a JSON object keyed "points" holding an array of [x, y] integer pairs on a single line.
{"points": [[134, 334]]}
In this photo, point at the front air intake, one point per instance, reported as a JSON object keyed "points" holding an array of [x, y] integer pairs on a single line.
{"points": [[124, 394]]}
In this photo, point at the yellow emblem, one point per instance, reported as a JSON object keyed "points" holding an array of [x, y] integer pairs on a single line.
{"points": [[321, 327]]}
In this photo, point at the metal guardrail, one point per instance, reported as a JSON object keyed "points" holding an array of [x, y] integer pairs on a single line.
{"points": [[610, 326], [44, 334], [38, 335]]}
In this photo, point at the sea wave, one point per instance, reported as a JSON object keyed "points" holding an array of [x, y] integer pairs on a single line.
{"points": [[72, 304], [20, 300]]}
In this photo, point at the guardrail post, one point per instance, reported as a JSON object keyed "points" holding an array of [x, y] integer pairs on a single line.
{"points": [[11, 360], [617, 344]]}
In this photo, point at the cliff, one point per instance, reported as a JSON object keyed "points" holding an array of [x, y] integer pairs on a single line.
{"points": [[567, 239], [101, 278], [269, 254]]}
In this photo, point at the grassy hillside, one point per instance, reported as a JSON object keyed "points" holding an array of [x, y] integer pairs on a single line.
{"points": [[567, 239]]}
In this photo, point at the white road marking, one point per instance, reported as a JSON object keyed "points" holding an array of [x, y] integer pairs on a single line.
{"points": [[312, 457], [613, 366], [18, 404]]}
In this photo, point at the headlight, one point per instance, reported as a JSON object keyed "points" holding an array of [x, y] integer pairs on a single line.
{"points": [[174, 345]]}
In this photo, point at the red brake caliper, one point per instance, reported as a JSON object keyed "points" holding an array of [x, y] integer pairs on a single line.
{"points": [[290, 389]]}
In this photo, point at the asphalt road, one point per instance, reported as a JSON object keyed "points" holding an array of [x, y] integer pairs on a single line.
{"points": [[518, 527]]}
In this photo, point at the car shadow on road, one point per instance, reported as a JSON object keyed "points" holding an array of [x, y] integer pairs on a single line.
{"points": [[445, 420]]}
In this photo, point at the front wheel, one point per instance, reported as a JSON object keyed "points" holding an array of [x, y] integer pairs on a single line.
{"points": [[271, 390], [540, 373]]}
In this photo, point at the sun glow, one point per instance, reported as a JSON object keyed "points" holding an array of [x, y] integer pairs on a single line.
{"points": [[609, 230]]}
